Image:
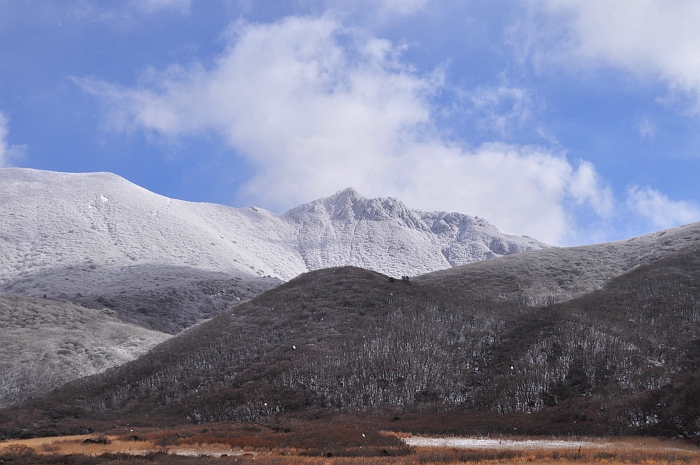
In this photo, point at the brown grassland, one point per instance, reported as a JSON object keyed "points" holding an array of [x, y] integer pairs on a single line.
{"points": [[316, 443]]}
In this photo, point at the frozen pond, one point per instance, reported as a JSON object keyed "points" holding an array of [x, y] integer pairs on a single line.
{"points": [[488, 443]]}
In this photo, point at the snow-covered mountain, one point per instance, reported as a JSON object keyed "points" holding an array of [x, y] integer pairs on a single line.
{"points": [[50, 220]]}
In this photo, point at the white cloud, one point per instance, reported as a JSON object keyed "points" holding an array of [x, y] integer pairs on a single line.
{"points": [[402, 7], [658, 209], [520, 189], [586, 187], [316, 107], [8, 153], [650, 38]]}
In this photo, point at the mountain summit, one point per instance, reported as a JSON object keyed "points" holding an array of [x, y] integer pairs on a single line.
{"points": [[383, 234]]}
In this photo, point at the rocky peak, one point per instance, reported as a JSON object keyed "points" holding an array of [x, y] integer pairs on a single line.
{"points": [[349, 205]]}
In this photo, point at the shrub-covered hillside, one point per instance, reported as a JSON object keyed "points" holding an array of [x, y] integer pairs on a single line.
{"points": [[346, 340]]}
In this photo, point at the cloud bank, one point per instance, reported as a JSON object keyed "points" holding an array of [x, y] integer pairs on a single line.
{"points": [[650, 38], [658, 209], [316, 107]]}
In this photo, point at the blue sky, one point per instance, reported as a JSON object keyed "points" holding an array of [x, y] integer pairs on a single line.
{"points": [[569, 121]]}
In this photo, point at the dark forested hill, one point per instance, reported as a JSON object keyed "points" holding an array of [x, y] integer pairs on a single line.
{"points": [[345, 340]]}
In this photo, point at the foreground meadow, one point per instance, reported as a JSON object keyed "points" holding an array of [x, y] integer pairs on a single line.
{"points": [[351, 444]]}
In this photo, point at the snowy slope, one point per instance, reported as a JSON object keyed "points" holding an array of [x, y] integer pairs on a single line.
{"points": [[52, 220], [56, 219]]}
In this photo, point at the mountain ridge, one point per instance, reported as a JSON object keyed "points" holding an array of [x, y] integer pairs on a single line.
{"points": [[456, 238], [101, 216], [556, 332], [552, 275]]}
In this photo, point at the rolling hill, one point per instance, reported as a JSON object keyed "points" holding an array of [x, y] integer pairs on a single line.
{"points": [[558, 274]]}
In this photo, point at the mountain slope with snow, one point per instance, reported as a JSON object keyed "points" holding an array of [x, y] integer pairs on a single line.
{"points": [[56, 219], [52, 220]]}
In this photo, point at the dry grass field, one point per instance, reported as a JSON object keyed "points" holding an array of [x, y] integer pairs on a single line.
{"points": [[327, 444]]}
